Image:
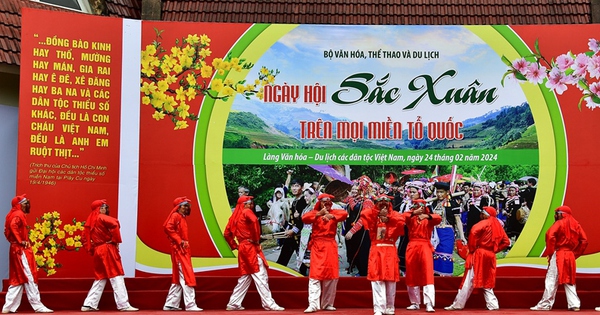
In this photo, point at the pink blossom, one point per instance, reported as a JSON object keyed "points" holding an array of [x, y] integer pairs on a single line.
{"points": [[521, 65], [593, 45], [590, 103], [580, 65], [535, 73], [556, 81], [595, 88], [564, 62], [593, 66]]}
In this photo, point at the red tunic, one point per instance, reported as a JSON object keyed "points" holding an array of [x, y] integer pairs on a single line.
{"points": [[245, 229], [176, 229], [484, 242], [383, 256], [104, 237], [568, 240], [15, 230], [324, 263], [419, 251]]}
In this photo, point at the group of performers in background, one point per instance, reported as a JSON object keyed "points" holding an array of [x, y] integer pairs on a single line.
{"points": [[399, 229]]}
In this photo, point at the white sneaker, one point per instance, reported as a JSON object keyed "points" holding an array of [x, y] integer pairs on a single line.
{"points": [[429, 308], [310, 309], [389, 311], [597, 309], [44, 310], [413, 307], [452, 308], [234, 308], [88, 309], [378, 313], [171, 308], [129, 309], [329, 308], [194, 309], [6, 311], [539, 308], [275, 308]]}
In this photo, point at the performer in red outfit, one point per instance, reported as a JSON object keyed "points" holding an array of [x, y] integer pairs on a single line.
{"points": [[419, 255], [565, 242], [384, 226], [243, 233], [183, 281], [101, 239], [22, 266], [324, 266], [486, 239]]}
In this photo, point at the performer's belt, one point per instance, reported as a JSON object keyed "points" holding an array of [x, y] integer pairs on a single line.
{"points": [[384, 244], [251, 241]]}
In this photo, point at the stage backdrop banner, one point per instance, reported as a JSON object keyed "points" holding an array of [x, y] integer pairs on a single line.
{"points": [[222, 105]]}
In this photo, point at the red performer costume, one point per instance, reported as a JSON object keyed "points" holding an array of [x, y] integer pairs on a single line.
{"points": [[324, 266], [183, 280], [384, 226], [101, 239], [419, 255], [565, 242], [486, 239], [22, 267], [243, 233]]}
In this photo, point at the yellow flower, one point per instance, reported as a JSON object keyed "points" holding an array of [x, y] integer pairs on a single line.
{"points": [[226, 65], [191, 79], [171, 79], [57, 222], [257, 82], [41, 236], [206, 71], [180, 94], [188, 51], [170, 103], [34, 248], [145, 100], [217, 85], [228, 82], [50, 262], [175, 51], [178, 68], [240, 88], [264, 71], [181, 124], [46, 252], [52, 242], [228, 91], [205, 52], [47, 216], [204, 40], [55, 214], [60, 234], [270, 79], [39, 260], [192, 39], [148, 71], [54, 250], [237, 68], [150, 50], [191, 94], [217, 63], [69, 241], [221, 72], [186, 61], [77, 244], [158, 115], [78, 225], [163, 86], [235, 60], [51, 272], [148, 88]]}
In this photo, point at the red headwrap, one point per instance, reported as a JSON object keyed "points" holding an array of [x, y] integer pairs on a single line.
{"points": [[237, 212], [571, 224], [90, 222], [320, 199], [497, 228], [176, 204], [16, 206], [93, 216]]}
